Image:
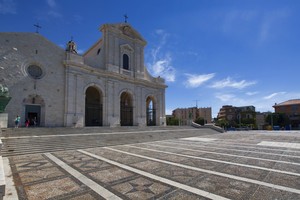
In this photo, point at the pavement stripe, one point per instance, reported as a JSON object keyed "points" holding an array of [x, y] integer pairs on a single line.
{"points": [[280, 144], [158, 178], [199, 139], [211, 147], [85, 180], [224, 154], [10, 189], [288, 189], [249, 146], [218, 161]]}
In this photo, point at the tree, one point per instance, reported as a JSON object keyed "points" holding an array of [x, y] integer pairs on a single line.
{"points": [[172, 121], [278, 119], [200, 121]]}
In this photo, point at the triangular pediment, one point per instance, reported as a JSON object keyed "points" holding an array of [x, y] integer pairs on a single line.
{"points": [[125, 29]]}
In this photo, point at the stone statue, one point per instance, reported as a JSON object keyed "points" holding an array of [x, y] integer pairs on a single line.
{"points": [[4, 97]]}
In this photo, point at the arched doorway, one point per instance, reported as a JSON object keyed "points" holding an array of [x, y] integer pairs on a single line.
{"points": [[34, 110], [93, 107], [150, 112], [126, 109]]}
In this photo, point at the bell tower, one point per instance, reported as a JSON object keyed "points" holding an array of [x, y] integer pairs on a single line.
{"points": [[71, 47]]}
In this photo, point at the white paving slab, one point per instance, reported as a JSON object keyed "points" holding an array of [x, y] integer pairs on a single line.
{"points": [[10, 189], [239, 178], [199, 139], [224, 154], [280, 144], [85, 180], [158, 178], [218, 161]]}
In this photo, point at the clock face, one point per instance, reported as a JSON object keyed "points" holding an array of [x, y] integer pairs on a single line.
{"points": [[35, 71]]}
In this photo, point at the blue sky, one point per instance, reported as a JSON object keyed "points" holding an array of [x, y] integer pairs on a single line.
{"points": [[213, 52]]}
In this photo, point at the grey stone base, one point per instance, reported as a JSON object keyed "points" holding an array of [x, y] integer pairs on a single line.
{"points": [[3, 120]]}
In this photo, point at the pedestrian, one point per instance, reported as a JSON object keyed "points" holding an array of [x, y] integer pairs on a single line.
{"points": [[17, 121], [27, 123]]}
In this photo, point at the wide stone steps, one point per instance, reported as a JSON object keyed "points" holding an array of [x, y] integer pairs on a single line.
{"points": [[20, 142]]}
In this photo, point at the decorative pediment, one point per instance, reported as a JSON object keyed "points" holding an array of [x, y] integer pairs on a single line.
{"points": [[126, 48], [129, 32], [125, 29]]}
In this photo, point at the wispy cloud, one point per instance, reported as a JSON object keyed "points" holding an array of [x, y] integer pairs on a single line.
{"points": [[53, 11], [161, 64], [51, 3], [236, 18], [270, 21], [251, 93], [163, 68], [8, 7], [225, 97], [228, 82], [273, 95], [194, 80]]}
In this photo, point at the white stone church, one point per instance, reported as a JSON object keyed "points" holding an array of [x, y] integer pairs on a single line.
{"points": [[108, 85]]}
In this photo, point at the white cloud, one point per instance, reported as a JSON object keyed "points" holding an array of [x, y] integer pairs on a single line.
{"points": [[194, 80], [51, 3], [231, 83], [270, 21], [161, 64], [273, 95], [251, 93], [8, 7], [236, 18], [225, 97], [163, 68], [54, 14], [53, 10]]}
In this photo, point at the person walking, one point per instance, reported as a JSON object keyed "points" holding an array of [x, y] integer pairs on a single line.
{"points": [[17, 121]]}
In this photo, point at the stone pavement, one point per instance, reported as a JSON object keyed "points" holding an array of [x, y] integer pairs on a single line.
{"points": [[169, 163]]}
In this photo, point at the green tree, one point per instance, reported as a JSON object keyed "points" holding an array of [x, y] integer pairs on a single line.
{"points": [[172, 121], [278, 119], [200, 121]]}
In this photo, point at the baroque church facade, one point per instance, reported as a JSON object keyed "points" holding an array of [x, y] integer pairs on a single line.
{"points": [[108, 85]]}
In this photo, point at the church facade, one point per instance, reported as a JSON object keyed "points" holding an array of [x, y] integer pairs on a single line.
{"points": [[108, 85]]}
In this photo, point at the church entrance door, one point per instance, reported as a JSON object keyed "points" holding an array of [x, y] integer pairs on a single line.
{"points": [[150, 112], [33, 114], [126, 109], [93, 107]]}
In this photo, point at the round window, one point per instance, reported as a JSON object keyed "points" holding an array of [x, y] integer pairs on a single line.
{"points": [[35, 71]]}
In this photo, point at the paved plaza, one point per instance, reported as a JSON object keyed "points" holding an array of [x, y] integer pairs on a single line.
{"points": [[159, 163]]}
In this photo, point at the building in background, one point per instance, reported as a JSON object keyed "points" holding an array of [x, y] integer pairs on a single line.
{"points": [[237, 117], [187, 115], [291, 109]]}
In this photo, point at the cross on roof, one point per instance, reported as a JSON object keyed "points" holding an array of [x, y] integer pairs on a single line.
{"points": [[37, 27], [126, 17]]}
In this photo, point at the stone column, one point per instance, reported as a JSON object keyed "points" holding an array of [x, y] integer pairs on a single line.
{"points": [[113, 104]]}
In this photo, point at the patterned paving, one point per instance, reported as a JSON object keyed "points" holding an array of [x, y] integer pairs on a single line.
{"points": [[233, 165]]}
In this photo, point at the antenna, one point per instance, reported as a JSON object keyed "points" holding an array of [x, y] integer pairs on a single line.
{"points": [[197, 103]]}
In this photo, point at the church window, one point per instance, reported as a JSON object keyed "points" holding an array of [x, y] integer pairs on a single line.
{"points": [[98, 52], [125, 62], [35, 71]]}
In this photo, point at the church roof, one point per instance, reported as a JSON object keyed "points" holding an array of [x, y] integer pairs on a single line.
{"points": [[288, 103]]}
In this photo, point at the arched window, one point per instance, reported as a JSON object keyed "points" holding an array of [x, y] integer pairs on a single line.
{"points": [[125, 62]]}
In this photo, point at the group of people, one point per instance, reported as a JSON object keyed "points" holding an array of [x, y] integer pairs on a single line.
{"points": [[28, 122]]}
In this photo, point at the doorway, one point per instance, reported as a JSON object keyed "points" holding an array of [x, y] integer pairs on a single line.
{"points": [[150, 112], [126, 109], [33, 114], [93, 107]]}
